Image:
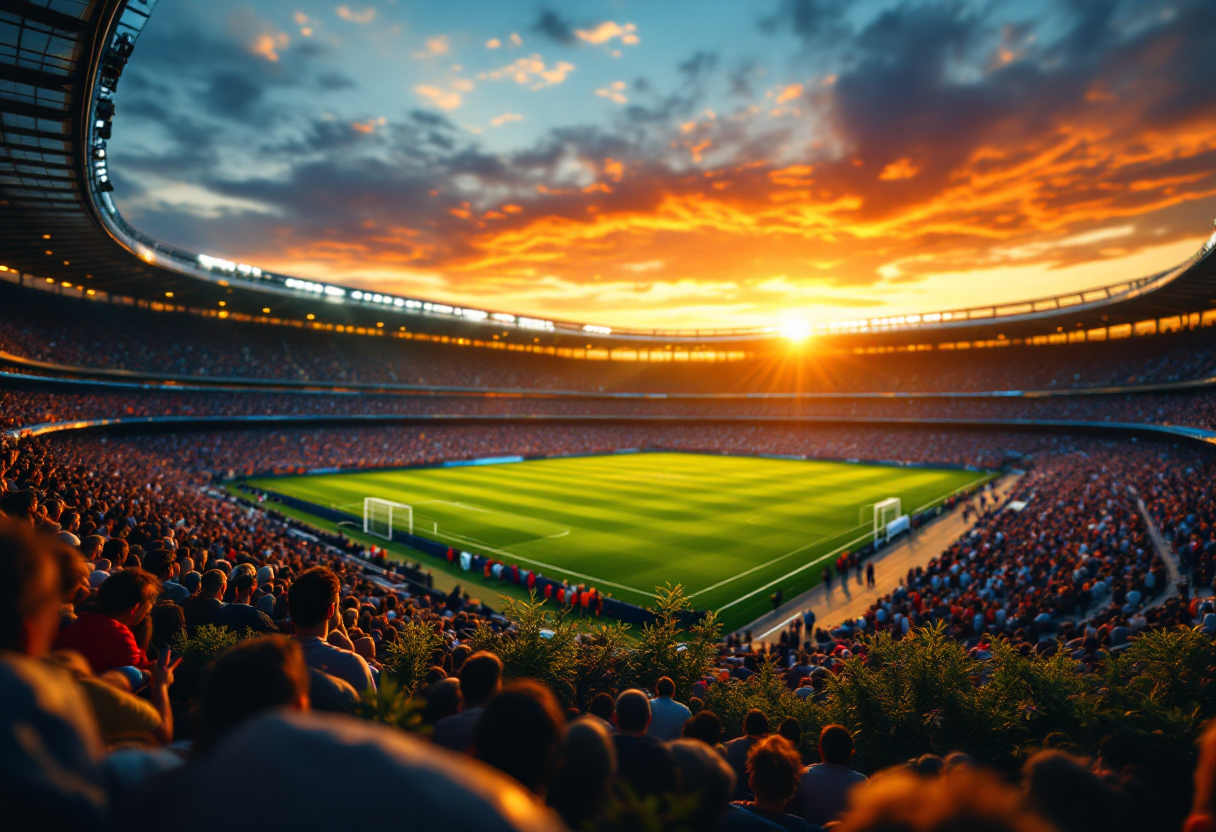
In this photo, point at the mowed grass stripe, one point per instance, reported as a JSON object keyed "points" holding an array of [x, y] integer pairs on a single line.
{"points": [[721, 526]]}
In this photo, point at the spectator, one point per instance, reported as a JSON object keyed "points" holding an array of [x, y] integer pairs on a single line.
{"points": [[667, 716], [313, 602], [480, 680], [308, 771], [707, 782], [202, 608], [520, 734], [602, 706], [1203, 808], [1062, 789], [255, 676], [643, 763], [707, 728], [579, 788], [240, 614], [773, 766], [791, 730], [163, 564], [105, 638], [962, 801], [755, 729], [823, 791], [50, 746]]}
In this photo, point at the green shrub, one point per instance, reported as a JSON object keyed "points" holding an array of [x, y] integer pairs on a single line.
{"points": [[205, 643], [543, 646], [407, 659], [669, 648]]}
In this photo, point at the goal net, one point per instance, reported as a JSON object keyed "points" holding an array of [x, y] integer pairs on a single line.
{"points": [[882, 514], [382, 517]]}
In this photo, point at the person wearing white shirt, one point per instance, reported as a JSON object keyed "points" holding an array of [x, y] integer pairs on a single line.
{"points": [[667, 716]]}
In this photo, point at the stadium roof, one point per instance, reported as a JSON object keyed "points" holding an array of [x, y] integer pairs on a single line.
{"points": [[61, 63]]}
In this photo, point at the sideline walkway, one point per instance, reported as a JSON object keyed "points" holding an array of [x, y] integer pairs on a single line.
{"points": [[851, 598]]}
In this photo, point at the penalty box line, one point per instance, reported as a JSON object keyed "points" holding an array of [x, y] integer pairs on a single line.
{"points": [[805, 566], [542, 564], [777, 559]]}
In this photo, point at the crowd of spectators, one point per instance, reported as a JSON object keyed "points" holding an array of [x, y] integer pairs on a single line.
{"points": [[92, 334], [111, 547], [1069, 545], [281, 450], [21, 407]]}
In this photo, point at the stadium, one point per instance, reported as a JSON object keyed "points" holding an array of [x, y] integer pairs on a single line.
{"points": [[524, 567]]}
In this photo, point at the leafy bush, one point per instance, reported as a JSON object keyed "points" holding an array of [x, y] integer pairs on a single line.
{"points": [[543, 645], [391, 704], [603, 661], [205, 643], [670, 648], [768, 692], [406, 660]]}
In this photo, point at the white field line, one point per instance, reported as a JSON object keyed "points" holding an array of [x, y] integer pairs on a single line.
{"points": [[780, 626], [777, 559], [773, 583], [521, 558]]}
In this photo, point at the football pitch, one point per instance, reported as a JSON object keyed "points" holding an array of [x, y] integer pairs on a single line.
{"points": [[731, 530]]}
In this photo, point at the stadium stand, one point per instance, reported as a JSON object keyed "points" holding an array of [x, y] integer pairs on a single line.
{"points": [[90, 334]]}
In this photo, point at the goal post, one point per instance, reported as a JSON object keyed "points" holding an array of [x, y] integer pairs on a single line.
{"points": [[883, 513], [382, 517]]}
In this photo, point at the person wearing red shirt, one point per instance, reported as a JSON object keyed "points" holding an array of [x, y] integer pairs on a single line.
{"points": [[104, 637]]}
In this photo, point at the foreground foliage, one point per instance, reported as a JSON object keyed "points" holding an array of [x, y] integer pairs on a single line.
{"points": [[925, 694]]}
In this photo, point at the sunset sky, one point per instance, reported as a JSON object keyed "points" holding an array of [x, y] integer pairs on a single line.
{"points": [[678, 162]]}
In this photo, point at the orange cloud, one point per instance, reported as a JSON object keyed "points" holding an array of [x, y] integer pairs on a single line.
{"points": [[900, 169]]}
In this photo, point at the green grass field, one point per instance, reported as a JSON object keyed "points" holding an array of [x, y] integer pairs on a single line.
{"points": [[730, 529]]}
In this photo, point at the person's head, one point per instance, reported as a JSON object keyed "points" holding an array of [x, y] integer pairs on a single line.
{"points": [[631, 713], [20, 505], [520, 732], [1118, 750], [254, 676], [160, 563], [791, 730], [961, 801], [192, 581], [773, 768], [214, 584], [115, 551], [755, 723], [1203, 810], [579, 788], [442, 699], [601, 706], [128, 596], [313, 596], [665, 687], [705, 727], [31, 589], [91, 546], [1062, 789], [705, 775], [243, 585], [168, 619], [835, 745], [480, 678]]}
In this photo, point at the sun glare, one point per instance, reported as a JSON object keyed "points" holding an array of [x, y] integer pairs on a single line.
{"points": [[796, 331]]}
